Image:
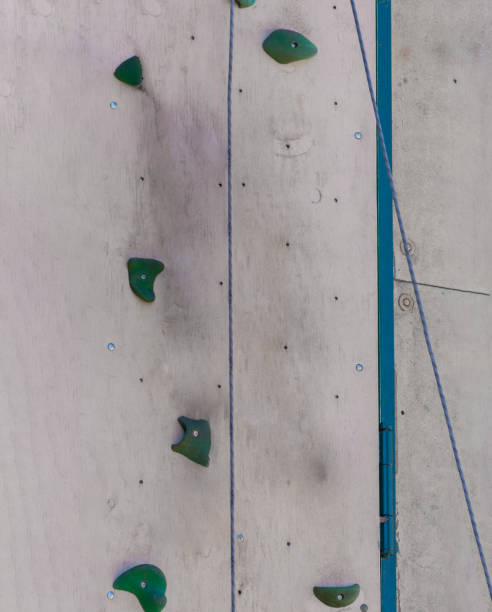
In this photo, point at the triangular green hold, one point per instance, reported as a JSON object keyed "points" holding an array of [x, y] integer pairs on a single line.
{"points": [[147, 583], [142, 274], [286, 46], [196, 440], [337, 597], [245, 3], [130, 71]]}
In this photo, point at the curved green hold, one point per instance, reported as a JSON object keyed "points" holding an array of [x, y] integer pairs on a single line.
{"points": [[286, 46], [142, 274], [130, 71], [245, 3], [147, 583], [196, 440], [337, 597]]}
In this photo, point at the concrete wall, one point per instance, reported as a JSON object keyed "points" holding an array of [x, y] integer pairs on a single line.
{"points": [[442, 61], [89, 483]]}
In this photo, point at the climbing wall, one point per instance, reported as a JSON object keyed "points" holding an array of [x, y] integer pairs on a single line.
{"points": [[442, 151], [93, 379]]}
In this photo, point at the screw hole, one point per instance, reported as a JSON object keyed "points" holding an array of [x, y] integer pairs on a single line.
{"points": [[287, 244], [335, 200], [142, 178], [221, 283], [339, 597], [294, 44], [336, 298], [285, 347], [243, 184], [143, 585], [402, 412], [239, 592], [337, 396], [455, 80], [192, 37], [140, 482], [220, 184], [335, 103], [287, 146], [140, 379], [219, 386], [240, 91], [288, 543]]}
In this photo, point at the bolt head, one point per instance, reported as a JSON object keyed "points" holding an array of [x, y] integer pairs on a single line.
{"points": [[110, 594], [195, 433], [113, 104], [240, 538], [358, 135], [359, 367], [111, 346]]}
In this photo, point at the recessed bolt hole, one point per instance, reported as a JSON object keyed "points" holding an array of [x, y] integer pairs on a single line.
{"points": [[287, 244], [221, 283], [285, 347], [335, 200], [239, 592], [243, 184], [220, 184], [142, 178], [140, 379], [402, 412], [288, 543], [336, 298], [287, 146], [334, 7], [219, 386], [294, 44]]}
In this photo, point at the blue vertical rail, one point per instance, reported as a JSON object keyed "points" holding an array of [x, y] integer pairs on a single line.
{"points": [[386, 316]]}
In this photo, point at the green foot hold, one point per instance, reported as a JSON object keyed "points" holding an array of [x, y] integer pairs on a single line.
{"points": [[130, 72], [286, 46], [245, 3], [147, 583], [142, 273], [196, 440], [337, 597]]}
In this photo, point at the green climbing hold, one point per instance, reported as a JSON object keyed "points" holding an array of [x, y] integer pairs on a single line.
{"points": [[147, 583], [142, 273], [245, 3], [130, 71], [337, 597], [196, 440], [286, 46]]}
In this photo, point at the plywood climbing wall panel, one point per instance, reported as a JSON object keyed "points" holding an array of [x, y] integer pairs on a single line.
{"points": [[85, 187], [305, 312], [94, 172]]}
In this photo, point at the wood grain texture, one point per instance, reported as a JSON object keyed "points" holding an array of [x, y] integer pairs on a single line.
{"points": [[85, 187], [305, 312], [79, 428]]}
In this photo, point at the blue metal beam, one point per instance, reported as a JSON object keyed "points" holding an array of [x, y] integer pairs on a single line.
{"points": [[386, 316]]}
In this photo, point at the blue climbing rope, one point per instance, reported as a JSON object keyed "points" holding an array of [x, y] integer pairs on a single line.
{"points": [[419, 300], [231, 328]]}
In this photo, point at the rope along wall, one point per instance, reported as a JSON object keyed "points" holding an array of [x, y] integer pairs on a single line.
{"points": [[419, 300]]}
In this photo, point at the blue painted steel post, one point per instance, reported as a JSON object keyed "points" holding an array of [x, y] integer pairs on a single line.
{"points": [[386, 316]]}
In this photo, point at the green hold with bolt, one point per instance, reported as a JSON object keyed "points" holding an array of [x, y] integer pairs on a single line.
{"points": [[286, 46], [196, 440], [142, 274], [337, 596], [147, 583]]}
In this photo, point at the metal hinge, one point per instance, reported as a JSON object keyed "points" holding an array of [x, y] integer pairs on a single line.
{"points": [[387, 490]]}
